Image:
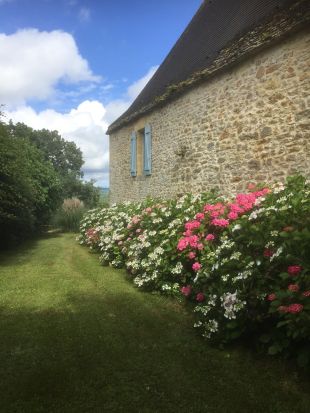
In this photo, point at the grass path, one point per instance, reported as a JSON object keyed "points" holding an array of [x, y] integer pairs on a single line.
{"points": [[77, 337]]}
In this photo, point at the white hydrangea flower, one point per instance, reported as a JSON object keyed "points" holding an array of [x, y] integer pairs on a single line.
{"points": [[177, 269], [277, 253], [231, 305], [211, 326]]}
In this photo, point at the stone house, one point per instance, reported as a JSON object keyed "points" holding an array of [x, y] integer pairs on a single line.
{"points": [[229, 105]]}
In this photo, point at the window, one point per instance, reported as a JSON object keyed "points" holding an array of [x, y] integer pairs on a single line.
{"points": [[141, 152]]}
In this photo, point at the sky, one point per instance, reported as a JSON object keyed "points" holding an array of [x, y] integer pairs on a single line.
{"points": [[76, 65]]}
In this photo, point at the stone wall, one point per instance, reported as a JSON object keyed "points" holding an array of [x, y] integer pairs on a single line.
{"points": [[248, 124]]}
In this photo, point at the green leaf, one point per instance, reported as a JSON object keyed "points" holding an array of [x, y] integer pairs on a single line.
{"points": [[284, 275]]}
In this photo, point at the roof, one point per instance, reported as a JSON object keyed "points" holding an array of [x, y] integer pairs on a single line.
{"points": [[220, 33]]}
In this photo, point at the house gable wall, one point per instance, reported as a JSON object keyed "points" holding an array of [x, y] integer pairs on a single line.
{"points": [[250, 123]]}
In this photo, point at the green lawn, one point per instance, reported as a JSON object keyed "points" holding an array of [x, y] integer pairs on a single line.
{"points": [[77, 337]]}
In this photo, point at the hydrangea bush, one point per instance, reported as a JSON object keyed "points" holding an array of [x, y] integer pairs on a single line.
{"points": [[252, 274], [151, 245], [104, 230], [244, 262]]}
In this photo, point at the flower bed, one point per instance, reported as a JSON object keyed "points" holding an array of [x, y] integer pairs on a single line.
{"points": [[243, 262]]}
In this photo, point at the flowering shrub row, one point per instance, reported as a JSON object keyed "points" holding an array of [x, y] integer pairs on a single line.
{"points": [[243, 262]]}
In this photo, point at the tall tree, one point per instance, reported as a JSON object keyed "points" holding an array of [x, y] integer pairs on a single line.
{"points": [[65, 156], [30, 188]]}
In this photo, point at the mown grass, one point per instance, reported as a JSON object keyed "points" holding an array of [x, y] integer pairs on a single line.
{"points": [[76, 337]]}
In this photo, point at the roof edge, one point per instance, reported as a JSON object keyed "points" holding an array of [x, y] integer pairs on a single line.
{"points": [[265, 34]]}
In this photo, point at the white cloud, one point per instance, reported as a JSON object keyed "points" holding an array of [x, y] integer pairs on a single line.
{"points": [[109, 86], [134, 89], [115, 108], [118, 106], [85, 125], [32, 63]]}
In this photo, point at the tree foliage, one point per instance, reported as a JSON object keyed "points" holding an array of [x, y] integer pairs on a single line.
{"points": [[38, 170], [65, 156], [66, 159], [29, 187]]}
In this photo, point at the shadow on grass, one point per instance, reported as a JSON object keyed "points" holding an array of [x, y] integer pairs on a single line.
{"points": [[113, 354], [21, 251]]}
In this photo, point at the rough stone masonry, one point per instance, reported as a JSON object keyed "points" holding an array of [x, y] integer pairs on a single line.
{"points": [[247, 124]]}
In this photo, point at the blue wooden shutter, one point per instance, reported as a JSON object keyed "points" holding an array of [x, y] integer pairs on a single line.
{"points": [[147, 150], [133, 154]]}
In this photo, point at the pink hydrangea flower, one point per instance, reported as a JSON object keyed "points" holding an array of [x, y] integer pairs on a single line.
{"points": [[271, 297], [186, 290], [235, 208], [138, 230], [220, 222], [294, 269], [247, 207], [219, 207], [264, 191], [295, 308], [196, 266], [200, 297], [200, 246], [192, 225], [182, 244], [268, 253], [306, 293], [200, 216], [148, 210], [245, 199], [293, 287], [210, 237], [136, 219], [208, 207], [193, 241], [232, 215], [191, 255]]}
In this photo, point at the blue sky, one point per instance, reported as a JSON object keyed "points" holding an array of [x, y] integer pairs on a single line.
{"points": [[75, 65]]}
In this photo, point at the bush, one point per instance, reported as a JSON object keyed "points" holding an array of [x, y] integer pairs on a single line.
{"points": [[69, 216], [252, 275], [243, 262], [105, 229], [29, 188], [151, 240]]}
